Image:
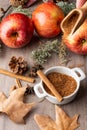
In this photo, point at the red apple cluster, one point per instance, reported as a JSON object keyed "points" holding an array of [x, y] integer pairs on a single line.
{"points": [[16, 30]]}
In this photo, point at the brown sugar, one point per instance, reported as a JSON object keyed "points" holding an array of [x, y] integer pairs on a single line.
{"points": [[63, 83], [71, 22]]}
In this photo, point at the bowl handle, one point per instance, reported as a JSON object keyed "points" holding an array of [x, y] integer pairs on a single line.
{"points": [[79, 71], [37, 92]]}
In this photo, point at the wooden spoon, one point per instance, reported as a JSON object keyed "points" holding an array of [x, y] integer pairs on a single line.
{"points": [[74, 19]]}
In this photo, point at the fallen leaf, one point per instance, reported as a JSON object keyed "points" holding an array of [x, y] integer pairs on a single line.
{"points": [[63, 121], [14, 106]]}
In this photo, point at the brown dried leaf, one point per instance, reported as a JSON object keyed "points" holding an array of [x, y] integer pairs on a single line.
{"points": [[63, 121], [14, 106]]}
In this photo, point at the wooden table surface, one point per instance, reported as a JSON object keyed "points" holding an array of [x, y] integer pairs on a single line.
{"points": [[78, 106]]}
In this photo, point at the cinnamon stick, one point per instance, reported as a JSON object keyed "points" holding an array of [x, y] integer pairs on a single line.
{"points": [[49, 85], [28, 79], [18, 83]]}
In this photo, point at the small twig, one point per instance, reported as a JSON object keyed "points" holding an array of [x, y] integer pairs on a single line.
{"points": [[18, 83], [8, 8], [5, 12]]}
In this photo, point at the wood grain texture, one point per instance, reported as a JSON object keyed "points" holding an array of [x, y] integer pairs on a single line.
{"points": [[79, 105]]}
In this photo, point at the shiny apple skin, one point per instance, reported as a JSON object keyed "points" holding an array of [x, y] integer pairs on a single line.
{"points": [[16, 30], [77, 42], [47, 18]]}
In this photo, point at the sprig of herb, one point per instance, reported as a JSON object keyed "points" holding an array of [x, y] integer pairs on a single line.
{"points": [[22, 10], [45, 51], [66, 7], [62, 53]]}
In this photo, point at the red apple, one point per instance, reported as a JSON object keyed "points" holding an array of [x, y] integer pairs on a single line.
{"points": [[77, 42], [16, 30], [47, 18]]}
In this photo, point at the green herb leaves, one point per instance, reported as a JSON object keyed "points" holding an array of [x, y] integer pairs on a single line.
{"points": [[45, 50], [22, 10], [66, 7]]}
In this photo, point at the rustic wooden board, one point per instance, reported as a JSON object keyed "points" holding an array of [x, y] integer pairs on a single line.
{"points": [[79, 105]]}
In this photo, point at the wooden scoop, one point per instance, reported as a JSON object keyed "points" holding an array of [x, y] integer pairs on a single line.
{"points": [[74, 19]]}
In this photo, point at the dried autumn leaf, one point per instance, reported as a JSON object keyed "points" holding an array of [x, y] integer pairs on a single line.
{"points": [[14, 106], [63, 121]]}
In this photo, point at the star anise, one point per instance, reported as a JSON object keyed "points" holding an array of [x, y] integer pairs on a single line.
{"points": [[29, 90], [33, 70]]}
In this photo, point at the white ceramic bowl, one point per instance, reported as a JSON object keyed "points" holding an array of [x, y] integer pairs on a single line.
{"points": [[64, 70]]}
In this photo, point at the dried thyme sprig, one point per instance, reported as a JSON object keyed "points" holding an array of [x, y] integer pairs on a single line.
{"points": [[45, 51], [62, 53], [66, 7], [22, 10]]}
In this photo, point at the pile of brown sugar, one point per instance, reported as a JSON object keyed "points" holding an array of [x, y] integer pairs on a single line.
{"points": [[63, 83]]}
